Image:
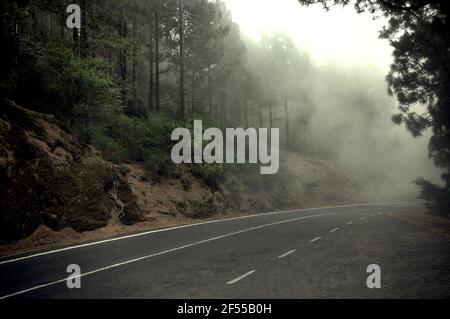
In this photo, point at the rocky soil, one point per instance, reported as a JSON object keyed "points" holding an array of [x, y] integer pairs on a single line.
{"points": [[55, 190]]}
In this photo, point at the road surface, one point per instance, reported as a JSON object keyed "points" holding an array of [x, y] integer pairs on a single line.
{"points": [[315, 253]]}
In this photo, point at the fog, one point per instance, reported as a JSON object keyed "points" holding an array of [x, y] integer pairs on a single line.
{"points": [[352, 119], [336, 80], [337, 35]]}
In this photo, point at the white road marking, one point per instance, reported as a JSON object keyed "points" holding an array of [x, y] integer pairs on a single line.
{"points": [[407, 204], [170, 229], [287, 254], [334, 230], [315, 239], [349, 223], [159, 254], [362, 218], [241, 277]]}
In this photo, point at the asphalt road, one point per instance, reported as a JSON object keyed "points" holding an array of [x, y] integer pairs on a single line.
{"points": [[317, 253]]}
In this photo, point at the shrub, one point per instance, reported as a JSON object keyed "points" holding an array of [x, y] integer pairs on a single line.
{"points": [[82, 84], [124, 170], [437, 198], [122, 138], [111, 150], [136, 108], [186, 181], [208, 173]]}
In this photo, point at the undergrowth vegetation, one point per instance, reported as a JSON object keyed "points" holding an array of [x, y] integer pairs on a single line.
{"points": [[146, 140]]}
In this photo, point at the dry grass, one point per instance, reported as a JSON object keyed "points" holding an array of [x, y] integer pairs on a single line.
{"points": [[423, 218]]}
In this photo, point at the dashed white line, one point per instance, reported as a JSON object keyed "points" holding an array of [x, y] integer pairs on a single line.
{"points": [[159, 254], [232, 282], [362, 218], [334, 230], [287, 254], [315, 239], [172, 228], [349, 223]]}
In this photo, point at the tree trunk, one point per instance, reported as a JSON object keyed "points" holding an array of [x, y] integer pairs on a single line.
{"points": [[14, 33], [181, 34], [270, 120], [35, 23], [135, 61], [304, 137], [151, 89], [286, 115], [62, 27], [123, 61], [210, 106], [76, 41], [194, 93], [261, 121], [246, 114], [223, 106], [157, 58], [83, 32], [270, 114]]}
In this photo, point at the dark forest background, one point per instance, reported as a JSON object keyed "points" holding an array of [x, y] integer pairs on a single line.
{"points": [[138, 69]]}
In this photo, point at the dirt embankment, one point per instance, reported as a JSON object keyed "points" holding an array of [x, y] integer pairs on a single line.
{"points": [[56, 191], [48, 178]]}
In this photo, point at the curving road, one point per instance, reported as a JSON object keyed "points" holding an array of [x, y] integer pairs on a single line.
{"points": [[314, 253]]}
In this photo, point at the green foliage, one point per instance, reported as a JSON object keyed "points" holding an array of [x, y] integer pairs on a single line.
{"points": [[437, 198], [186, 181], [209, 173], [249, 175], [83, 85], [111, 149], [124, 170], [121, 138], [97, 81], [136, 108]]}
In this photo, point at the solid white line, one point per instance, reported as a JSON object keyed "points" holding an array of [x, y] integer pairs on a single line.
{"points": [[241, 277], [287, 254], [349, 223], [402, 205], [159, 254], [334, 230], [316, 239], [170, 229]]}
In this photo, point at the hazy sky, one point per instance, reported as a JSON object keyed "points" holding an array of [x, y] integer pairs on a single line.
{"points": [[340, 35]]}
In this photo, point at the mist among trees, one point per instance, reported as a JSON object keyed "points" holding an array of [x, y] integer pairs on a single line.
{"points": [[137, 69]]}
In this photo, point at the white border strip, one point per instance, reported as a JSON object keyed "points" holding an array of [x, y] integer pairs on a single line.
{"points": [[315, 239], [8, 261], [158, 254], [168, 229], [241, 277], [287, 254]]}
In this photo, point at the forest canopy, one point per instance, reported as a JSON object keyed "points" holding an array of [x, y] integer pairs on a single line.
{"points": [[138, 69]]}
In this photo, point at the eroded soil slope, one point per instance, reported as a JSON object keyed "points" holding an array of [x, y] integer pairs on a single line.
{"points": [[54, 190], [48, 178]]}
